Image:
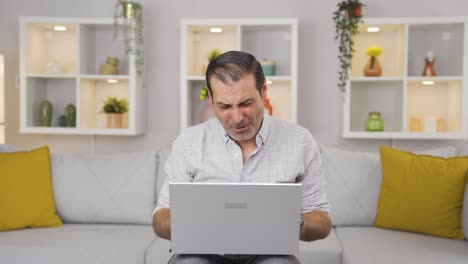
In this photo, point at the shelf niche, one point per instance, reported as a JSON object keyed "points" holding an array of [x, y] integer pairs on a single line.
{"points": [[45, 52]]}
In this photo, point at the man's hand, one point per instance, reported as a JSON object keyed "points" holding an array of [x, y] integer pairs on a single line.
{"points": [[317, 225], [162, 223]]}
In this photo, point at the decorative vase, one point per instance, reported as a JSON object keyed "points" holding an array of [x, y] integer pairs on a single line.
{"points": [[70, 115], [268, 67], [112, 61], [429, 67], [114, 120], [45, 118], [372, 67], [374, 122], [62, 121], [110, 67]]}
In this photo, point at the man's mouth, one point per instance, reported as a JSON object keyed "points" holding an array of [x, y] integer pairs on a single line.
{"points": [[241, 127]]}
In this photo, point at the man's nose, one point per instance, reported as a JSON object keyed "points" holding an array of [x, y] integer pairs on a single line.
{"points": [[237, 115]]}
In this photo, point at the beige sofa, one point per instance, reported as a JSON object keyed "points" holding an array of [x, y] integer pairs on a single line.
{"points": [[106, 203], [353, 183]]}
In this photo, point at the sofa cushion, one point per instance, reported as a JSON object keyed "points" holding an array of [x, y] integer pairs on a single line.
{"points": [[353, 183], [162, 158], [159, 251], [421, 193], [328, 250], [370, 245], [77, 244], [26, 197], [105, 189]]}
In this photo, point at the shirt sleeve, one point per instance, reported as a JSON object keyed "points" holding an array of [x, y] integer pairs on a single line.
{"points": [[314, 196], [177, 168]]}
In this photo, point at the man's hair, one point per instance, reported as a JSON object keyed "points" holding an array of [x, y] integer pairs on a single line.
{"points": [[234, 65]]}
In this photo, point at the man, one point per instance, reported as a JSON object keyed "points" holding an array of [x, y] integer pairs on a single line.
{"points": [[243, 144]]}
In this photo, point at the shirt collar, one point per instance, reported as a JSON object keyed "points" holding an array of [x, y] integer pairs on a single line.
{"points": [[261, 136]]}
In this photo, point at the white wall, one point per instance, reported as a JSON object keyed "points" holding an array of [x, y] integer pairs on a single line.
{"points": [[319, 98]]}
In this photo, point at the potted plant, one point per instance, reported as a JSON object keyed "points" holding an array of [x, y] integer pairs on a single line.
{"points": [[211, 56], [347, 17], [114, 109], [131, 15]]}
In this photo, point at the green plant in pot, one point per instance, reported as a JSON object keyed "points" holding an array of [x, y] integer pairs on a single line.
{"points": [[114, 109], [347, 18], [211, 56], [131, 15]]}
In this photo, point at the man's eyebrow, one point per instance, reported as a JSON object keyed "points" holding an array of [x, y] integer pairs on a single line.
{"points": [[222, 104], [246, 101]]}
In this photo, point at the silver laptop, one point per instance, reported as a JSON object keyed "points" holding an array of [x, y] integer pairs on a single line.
{"points": [[235, 218]]}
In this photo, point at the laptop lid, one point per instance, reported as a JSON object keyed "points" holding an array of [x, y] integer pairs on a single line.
{"points": [[235, 218]]}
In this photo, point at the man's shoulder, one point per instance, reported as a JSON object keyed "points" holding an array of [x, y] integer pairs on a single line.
{"points": [[286, 128], [200, 130]]}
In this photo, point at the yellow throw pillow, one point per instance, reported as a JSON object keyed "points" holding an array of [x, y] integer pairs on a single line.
{"points": [[421, 193], [26, 197]]}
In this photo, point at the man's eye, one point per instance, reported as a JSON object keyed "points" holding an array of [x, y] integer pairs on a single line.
{"points": [[248, 103], [223, 107]]}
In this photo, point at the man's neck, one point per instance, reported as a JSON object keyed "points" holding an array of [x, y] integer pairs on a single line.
{"points": [[247, 148]]}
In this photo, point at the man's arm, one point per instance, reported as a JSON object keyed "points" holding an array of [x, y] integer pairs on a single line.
{"points": [[162, 223], [317, 225]]}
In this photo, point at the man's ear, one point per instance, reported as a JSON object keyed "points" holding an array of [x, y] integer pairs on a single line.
{"points": [[209, 96], [264, 90]]}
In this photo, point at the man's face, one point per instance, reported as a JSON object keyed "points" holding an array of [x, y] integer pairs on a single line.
{"points": [[238, 106]]}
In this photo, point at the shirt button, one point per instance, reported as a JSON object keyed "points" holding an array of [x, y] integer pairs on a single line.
{"points": [[236, 154]]}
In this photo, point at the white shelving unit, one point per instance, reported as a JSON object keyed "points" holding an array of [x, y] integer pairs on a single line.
{"points": [[410, 109], [273, 39], [76, 55], [2, 100]]}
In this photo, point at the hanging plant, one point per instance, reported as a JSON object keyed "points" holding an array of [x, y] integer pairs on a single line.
{"points": [[131, 13], [347, 18]]}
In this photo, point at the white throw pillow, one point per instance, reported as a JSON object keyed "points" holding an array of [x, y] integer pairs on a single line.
{"points": [[353, 183], [105, 189]]}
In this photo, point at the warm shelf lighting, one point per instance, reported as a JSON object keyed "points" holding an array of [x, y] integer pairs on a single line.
{"points": [[373, 29], [269, 82], [112, 81], [427, 82], [216, 30], [60, 28]]}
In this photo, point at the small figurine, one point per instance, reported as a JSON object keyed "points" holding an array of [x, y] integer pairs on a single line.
{"points": [[429, 68]]}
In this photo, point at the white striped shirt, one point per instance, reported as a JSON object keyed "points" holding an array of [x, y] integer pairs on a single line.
{"points": [[285, 153]]}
